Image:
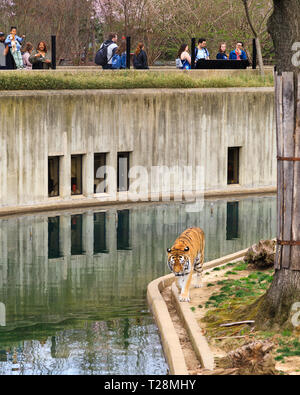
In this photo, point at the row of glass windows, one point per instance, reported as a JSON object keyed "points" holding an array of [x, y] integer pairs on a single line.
{"points": [[99, 174]]}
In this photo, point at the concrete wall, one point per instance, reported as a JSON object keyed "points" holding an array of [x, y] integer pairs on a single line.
{"points": [[159, 127]]}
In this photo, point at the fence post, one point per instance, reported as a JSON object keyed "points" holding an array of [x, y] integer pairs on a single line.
{"points": [[53, 52], [128, 42], [254, 55], [193, 57]]}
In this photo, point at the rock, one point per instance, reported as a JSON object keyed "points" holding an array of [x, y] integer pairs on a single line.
{"points": [[262, 254], [251, 359]]}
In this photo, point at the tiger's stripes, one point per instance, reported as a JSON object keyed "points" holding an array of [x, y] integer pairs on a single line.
{"points": [[186, 256]]}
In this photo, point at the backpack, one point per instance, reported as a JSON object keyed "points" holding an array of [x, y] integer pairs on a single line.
{"points": [[123, 60], [116, 62], [101, 55], [179, 64]]}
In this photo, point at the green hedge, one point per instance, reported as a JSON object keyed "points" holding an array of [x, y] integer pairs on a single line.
{"points": [[23, 80]]}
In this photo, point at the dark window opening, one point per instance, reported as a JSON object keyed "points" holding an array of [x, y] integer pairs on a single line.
{"points": [[76, 235], [233, 165], [53, 176], [100, 233], [123, 171], [232, 223], [99, 173], [76, 174], [53, 238], [123, 230]]}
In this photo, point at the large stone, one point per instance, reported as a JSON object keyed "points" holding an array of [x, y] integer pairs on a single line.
{"points": [[251, 359], [262, 254]]}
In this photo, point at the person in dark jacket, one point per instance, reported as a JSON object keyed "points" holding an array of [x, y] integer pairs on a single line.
{"points": [[140, 60], [6, 60], [222, 55]]}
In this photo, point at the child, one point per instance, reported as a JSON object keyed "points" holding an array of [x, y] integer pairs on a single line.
{"points": [[14, 43]]}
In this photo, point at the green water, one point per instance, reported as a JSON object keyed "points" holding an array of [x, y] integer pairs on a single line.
{"points": [[73, 285]]}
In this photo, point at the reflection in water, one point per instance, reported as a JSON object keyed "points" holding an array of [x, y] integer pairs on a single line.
{"points": [[53, 238], [76, 235], [100, 246], [74, 286], [232, 223], [123, 230], [2, 314]]}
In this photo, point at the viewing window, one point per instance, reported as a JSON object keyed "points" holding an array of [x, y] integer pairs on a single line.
{"points": [[233, 165], [123, 169], [76, 174], [99, 173], [53, 176]]}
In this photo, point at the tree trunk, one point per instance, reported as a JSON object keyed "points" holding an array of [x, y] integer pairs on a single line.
{"points": [[257, 41], [259, 56], [274, 309], [284, 28]]}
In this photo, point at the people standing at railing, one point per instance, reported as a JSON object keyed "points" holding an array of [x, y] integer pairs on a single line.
{"points": [[26, 55], [40, 59], [14, 43], [238, 53], [183, 60], [140, 60], [201, 52], [222, 55]]}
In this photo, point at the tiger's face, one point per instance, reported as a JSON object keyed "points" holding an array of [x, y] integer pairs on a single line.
{"points": [[179, 261]]}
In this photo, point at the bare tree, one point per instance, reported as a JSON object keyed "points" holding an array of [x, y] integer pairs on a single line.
{"points": [[257, 40]]}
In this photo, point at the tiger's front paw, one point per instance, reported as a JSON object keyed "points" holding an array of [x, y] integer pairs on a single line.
{"points": [[183, 298]]}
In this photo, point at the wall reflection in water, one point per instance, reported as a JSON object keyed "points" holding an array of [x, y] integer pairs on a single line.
{"points": [[2, 314], [74, 284]]}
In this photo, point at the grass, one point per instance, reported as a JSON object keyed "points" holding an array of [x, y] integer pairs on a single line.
{"points": [[251, 286], [289, 348], [49, 80], [226, 303]]}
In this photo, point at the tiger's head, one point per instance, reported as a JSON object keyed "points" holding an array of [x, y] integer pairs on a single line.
{"points": [[179, 260]]}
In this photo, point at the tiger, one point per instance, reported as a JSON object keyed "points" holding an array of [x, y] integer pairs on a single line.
{"points": [[186, 256]]}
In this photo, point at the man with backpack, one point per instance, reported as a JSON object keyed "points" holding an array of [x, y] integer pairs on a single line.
{"points": [[201, 51], [106, 52]]}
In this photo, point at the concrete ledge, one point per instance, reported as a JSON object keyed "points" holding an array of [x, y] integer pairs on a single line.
{"points": [[169, 337], [82, 202], [225, 259], [170, 341]]}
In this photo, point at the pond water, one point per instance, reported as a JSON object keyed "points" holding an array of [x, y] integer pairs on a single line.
{"points": [[73, 284]]}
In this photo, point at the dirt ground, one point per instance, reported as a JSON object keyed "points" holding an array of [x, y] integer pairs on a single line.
{"points": [[219, 346]]}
